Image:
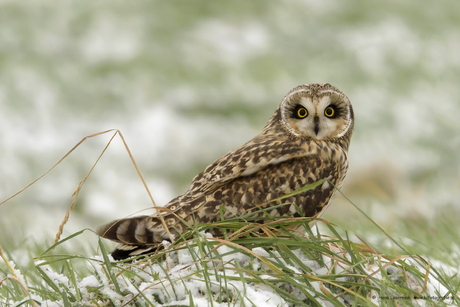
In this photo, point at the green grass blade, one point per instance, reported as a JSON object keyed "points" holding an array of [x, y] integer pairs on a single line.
{"points": [[108, 265]]}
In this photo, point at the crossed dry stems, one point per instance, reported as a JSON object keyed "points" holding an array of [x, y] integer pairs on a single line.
{"points": [[82, 182]]}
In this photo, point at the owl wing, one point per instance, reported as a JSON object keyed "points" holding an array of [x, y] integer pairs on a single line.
{"points": [[258, 153]]}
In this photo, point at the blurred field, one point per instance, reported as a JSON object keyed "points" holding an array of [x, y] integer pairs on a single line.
{"points": [[186, 82]]}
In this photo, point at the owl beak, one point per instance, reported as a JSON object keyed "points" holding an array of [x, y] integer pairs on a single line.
{"points": [[316, 119]]}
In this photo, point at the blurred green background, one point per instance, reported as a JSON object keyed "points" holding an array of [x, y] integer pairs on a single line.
{"points": [[187, 81]]}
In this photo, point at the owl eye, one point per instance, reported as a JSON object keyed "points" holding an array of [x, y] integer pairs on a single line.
{"points": [[329, 112], [302, 112]]}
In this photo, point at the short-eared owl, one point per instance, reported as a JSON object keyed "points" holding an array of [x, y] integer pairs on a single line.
{"points": [[305, 140]]}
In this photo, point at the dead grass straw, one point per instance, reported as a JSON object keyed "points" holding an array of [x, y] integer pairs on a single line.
{"points": [[82, 182]]}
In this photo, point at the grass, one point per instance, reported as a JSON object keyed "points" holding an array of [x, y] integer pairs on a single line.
{"points": [[253, 264], [269, 261]]}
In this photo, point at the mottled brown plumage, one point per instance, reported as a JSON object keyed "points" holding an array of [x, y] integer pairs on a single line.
{"points": [[301, 144]]}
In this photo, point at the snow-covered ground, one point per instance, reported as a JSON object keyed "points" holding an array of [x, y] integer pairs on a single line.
{"points": [[226, 278]]}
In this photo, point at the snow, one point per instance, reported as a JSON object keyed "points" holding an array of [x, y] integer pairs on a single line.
{"points": [[89, 281], [189, 275], [17, 273]]}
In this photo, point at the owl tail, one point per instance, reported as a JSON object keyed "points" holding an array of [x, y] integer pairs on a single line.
{"points": [[124, 251], [138, 235]]}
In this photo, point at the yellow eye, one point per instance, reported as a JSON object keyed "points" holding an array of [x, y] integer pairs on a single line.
{"points": [[329, 112], [302, 112]]}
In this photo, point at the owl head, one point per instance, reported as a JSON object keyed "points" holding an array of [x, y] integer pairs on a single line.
{"points": [[316, 111]]}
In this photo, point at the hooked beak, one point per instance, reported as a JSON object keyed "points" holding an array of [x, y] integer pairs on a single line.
{"points": [[316, 119]]}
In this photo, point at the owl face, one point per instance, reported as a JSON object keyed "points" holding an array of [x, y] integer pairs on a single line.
{"points": [[316, 111]]}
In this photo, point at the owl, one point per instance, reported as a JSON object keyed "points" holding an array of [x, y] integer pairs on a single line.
{"points": [[305, 140]]}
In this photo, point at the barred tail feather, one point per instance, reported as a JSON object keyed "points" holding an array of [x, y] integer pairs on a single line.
{"points": [[126, 231], [137, 235]]}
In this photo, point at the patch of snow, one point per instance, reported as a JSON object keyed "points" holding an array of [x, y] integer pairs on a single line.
{"points": [[17, 272]]}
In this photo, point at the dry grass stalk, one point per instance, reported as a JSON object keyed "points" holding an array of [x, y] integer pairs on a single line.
{"points": [[15, 278], [81, 183]]}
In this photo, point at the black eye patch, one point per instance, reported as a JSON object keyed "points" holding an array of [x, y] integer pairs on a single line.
{"points": [[299, 112], [333, 111]]}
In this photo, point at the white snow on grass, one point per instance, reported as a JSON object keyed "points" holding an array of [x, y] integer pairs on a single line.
{"points": [[197, 274]]}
